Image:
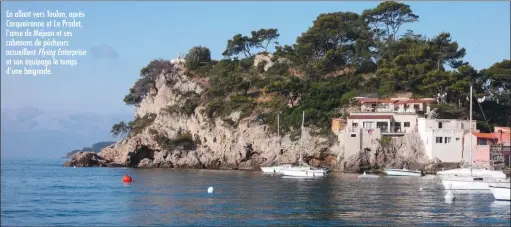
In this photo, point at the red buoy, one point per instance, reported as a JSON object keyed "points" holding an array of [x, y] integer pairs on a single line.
{"points": [[127, 179]]}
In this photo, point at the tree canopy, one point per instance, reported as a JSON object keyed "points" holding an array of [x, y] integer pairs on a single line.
{"points": [[343, 55]]}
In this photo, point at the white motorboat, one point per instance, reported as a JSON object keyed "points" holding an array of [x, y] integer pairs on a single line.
{"points": [[303, 170], [403, 172], [501, 191], [364, 175], [465, 172], [280, 168], [313, 172], [275, 169]]}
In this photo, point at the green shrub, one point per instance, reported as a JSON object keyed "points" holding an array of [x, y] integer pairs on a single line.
{"points": [[197, 56], [140, 123], [184, 141]]}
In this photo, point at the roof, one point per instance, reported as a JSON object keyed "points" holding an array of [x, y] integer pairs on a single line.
{"points": [[484, 135], [370, 117], [504, 129], [397, 101], [377, 101], [414, 101]]}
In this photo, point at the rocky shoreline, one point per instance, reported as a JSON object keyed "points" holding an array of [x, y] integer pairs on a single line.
{"points": [[92, 159]]}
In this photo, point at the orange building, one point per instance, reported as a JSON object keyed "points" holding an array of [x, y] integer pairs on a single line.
{"points": [[338, 124]]}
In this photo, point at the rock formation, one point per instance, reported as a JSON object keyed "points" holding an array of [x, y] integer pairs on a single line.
{"points": [[175, 139]]}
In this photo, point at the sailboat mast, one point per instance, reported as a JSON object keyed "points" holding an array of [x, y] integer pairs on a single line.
{"points": [[470, 139], [278, 135], [301, 137], [278, 126]]}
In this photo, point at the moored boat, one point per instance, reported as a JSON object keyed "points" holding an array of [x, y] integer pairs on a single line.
{"points": [[472, 181], [275, 169], [305, 173], [403, 172], [303, 170], [465, 172]]}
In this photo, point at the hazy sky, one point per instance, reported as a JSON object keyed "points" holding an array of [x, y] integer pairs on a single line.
{"points": [[141, 31]]}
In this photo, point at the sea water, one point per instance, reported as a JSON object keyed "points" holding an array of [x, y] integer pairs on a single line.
{"points": [[44, 193]]}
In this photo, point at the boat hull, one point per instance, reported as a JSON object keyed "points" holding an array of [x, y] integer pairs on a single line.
{"points": [[501, 193], [465, 172], [304, 173], [401, 172], [273, 169], [464, 185], [278, 169], [468, 183]]}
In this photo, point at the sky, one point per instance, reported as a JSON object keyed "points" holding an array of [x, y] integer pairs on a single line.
{"points": [[126, 36]]}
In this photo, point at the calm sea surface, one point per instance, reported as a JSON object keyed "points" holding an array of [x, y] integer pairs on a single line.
{"points": [[42, 192]]}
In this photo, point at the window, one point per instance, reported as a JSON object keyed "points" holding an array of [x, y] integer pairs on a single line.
{"points": [[482, 142], [407, 124], [457, 138], [368, 124], [447, 139], [355, 125], [384, 126], [416, 106], [439, 124], [353, 135], [439, 140], [462, 125]]}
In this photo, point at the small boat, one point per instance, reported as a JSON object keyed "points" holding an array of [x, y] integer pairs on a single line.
{"points": [[403, 172], [279, 168], [364, 175], [303, 169], [274, 169], [313, 172], [500, 192]]}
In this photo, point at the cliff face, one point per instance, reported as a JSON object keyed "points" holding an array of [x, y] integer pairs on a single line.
{"points": [[218, 143], [226, 143]]}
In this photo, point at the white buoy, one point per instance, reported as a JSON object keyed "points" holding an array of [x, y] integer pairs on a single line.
{"points": [[449, 196], [420, 189], [74, 167], [210, 190]]}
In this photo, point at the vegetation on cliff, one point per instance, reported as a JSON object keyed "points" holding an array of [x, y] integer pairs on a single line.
{"points": [[342, 55]]}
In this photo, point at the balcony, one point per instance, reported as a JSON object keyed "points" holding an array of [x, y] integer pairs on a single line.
{"points": [[444, 130], [394, 131], [365, 109]]}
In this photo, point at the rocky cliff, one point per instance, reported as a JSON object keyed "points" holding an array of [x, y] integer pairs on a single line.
{"points": [[169, 136]]}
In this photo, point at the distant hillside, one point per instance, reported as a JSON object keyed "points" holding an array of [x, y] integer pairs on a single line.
{"points": [[31, 132], [95, 148]]}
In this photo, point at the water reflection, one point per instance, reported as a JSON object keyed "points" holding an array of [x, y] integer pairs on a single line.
{"points": [[252, 198]]}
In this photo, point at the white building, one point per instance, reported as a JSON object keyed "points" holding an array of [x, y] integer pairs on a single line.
{"points": [[355, 140], [443, 138], [389, 123]]}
